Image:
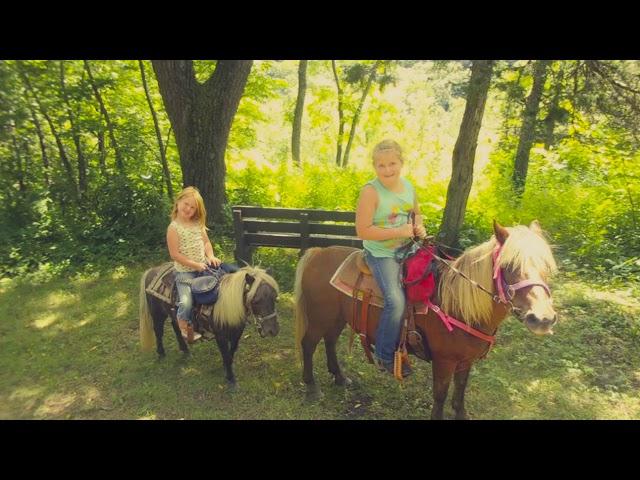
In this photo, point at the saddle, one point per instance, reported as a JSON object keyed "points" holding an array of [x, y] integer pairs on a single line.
{"points": [[353, 278], [162, 286]]}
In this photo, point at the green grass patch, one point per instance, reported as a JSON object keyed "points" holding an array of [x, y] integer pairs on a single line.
{"points": [[69, 350]]}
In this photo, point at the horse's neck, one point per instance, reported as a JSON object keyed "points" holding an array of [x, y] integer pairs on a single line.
{"points": [[500, 311]]}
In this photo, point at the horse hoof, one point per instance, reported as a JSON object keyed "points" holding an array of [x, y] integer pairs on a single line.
{"points": [[462, 416], [344, 382], [161, 356], [232, 387], [313, 395]]}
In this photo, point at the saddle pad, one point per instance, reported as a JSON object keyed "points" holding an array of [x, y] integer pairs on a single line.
{"points": [[161, 286], [346, 276]]}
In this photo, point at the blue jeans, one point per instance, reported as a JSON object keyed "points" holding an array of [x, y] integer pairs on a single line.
{"points": [[185, 298], [388, 274]]}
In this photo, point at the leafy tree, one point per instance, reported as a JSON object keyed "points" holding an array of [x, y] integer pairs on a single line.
{"points": [[297, 117], [464, 152], [201, 115]]}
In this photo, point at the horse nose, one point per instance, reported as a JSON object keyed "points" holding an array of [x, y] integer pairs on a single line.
{"points": [[532, 319]]}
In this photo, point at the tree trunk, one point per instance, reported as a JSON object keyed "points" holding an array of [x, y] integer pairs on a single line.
{"points": [[201, 116], [299, 111], [156, 125], [356, 117], [340, 114], [61, 150], [527, 131], [105, 114], [464, 153], [103, 152], [42, 142], [552, 116], [82, 164], [22, 188]]}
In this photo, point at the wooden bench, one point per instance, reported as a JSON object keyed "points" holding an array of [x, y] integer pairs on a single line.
{"points": [[290, 228]]}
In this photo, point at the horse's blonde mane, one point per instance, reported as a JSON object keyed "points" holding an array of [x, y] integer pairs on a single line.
{"points": [[230, 309], [524, 250]]}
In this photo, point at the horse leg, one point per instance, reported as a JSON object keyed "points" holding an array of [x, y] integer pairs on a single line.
{"points": [[227, 357], [158, 329], [442, 373], [181, 342], [234, 340], [309, 344], [459, 385], [330, 341]]}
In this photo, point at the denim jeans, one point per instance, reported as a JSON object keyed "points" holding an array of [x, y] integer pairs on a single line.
{"points": [[387, 272], [185, 298]]}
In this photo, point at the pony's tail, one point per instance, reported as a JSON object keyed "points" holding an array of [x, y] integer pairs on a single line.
{"points": [[299, 298], [147, 336]]}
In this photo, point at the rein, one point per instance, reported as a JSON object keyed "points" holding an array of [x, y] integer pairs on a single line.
{"points": [[500, 282], [500, 297]]}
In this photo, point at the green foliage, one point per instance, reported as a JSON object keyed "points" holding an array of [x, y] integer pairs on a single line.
{"points": [[311, 186], [585, 195], [124, 222], [584, 189]]}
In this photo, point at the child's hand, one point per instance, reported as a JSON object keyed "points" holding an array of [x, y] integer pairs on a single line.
{"points": [[201, 267], [419, 231], [214, 261], [405, 231]]}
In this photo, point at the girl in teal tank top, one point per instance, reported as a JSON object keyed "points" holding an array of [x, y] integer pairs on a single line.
{"points": [[393, 210], [382, 223]]}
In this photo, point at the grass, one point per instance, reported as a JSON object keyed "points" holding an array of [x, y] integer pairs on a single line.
{"points": [[69, 350]]}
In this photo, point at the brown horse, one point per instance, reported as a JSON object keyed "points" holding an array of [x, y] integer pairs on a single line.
{"points": [[249, 292], [525, 262]]}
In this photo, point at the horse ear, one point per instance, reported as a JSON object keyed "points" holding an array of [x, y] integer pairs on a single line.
{"points": [[535, 227], [501, 232]]}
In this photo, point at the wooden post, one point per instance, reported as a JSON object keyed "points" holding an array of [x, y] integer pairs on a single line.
{"points": [[304, 232], [240, 251]]}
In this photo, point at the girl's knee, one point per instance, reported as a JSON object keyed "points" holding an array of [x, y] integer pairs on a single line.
{"points": [[395, 298]]}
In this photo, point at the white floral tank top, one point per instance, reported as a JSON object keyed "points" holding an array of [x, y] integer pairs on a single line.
{"points": [[191, 245]]}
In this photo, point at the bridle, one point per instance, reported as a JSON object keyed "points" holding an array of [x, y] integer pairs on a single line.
{"points": [[258, 320], [506, 291]]}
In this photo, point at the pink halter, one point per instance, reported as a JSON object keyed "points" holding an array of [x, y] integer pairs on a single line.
{"points": [[501, 283]]}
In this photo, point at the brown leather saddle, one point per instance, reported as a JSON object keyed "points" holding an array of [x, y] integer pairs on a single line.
{"points": [[354, 278]]}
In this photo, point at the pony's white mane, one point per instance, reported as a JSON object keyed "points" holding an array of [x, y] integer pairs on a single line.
{"points": [[230, 310], [524, 250]]}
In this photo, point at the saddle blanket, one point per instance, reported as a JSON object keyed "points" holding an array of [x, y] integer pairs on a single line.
{"points": [[161, 286]]}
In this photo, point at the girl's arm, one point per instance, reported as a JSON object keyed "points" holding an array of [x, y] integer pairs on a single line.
{"points": [[208, 250], [365, 229], [173, 243]]}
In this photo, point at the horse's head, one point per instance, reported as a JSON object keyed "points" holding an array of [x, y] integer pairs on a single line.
{"points": [[524, 261], [261, 303]]}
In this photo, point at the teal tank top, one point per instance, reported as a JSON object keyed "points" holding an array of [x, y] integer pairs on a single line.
{"points": [[393, 211]]}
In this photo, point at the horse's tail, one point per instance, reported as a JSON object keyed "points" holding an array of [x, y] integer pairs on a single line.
{"points": [[147, 335], [299, 298]]}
